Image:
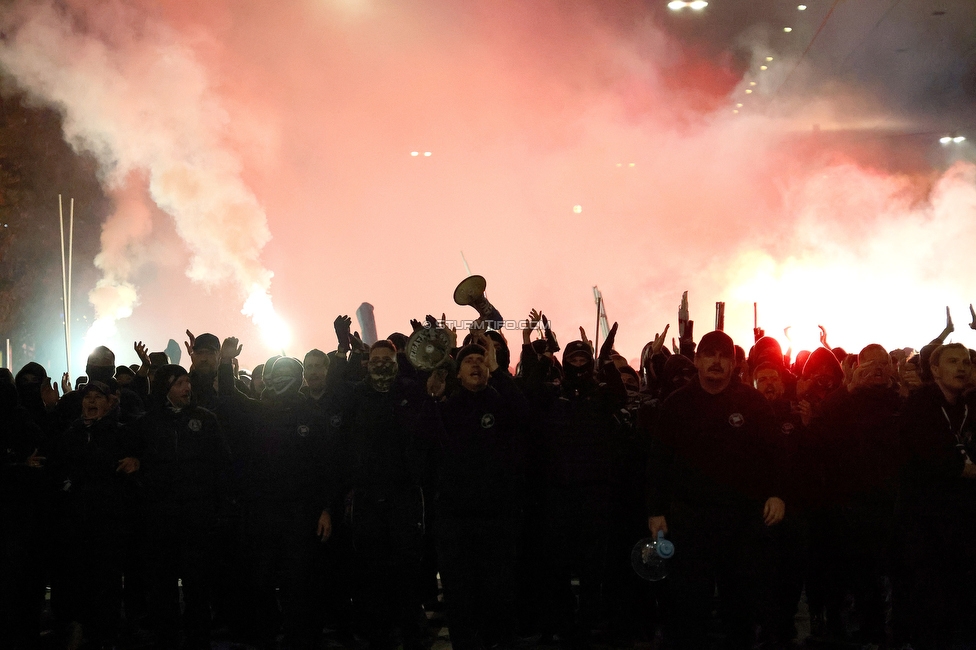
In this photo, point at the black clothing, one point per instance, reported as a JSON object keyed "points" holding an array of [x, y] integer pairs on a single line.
{"points": [[183, 468], [24, 514], [202, 389], [715, 460], [289, 478], [580, 452], [934, 594], [476, 453], [856, 440], [95, 524], [714, 450], [382, 470]]}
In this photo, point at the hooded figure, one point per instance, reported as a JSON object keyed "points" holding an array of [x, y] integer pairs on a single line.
{"points": [[821, 375], [578, 366], [101, 364], [580, 447], [766, 350], [29, 381], [678, 372], [285, 378]]}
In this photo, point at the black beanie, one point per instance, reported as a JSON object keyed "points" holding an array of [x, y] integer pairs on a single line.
{"points": [[716, 341], [469, 349], [165, 378]]}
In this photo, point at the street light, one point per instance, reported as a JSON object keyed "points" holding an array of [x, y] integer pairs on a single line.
{"points": [[678, 5]]}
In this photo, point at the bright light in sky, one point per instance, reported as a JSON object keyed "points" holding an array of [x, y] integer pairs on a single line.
{"points": [[958, 139], [577, 209], [414, 153], [945, 140], [787, 29], [698, 5]]}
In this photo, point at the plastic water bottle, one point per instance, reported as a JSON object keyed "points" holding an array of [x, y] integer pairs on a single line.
{"points": [[650, 557]]}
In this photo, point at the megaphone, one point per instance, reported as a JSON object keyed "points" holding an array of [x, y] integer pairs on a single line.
{"points": [[429, 347], [471, 292], [649, 557]]}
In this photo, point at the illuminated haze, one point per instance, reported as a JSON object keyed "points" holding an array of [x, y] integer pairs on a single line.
{"points": [[241, 139]]}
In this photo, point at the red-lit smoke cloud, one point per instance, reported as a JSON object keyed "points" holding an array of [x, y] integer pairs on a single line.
{"points": [[278, 138]]}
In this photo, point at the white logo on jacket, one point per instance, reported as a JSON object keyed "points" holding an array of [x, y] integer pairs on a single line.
{"points": [[736, 420]]}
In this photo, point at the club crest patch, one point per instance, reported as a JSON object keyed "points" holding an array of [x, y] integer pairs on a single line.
{"points": [[787, 428], [194, 424], [303, 430], [487, 421], [336, 420], [736, 420]]}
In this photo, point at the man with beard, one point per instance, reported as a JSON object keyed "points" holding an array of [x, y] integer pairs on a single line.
{"points": [[288, 487], [791, 537], [714, 487], [204, 351], [857, 440], [937, 515], [316, 368], [581, 445], [382, 482], [183, 463], [476, 448]]}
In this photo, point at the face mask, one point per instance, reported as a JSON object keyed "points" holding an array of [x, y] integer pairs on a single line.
{"points": [[283, 385], [100, 373], [382, 373], [574, 375]]}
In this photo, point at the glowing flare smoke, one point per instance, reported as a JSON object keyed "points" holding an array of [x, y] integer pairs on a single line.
{"points": [[135, 97], [274, 330], [529, 109]]}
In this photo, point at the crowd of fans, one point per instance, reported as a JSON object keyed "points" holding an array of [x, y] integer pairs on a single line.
{"points": [[318, 502]]}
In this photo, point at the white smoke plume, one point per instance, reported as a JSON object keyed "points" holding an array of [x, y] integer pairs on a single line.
{"points": [[811, 200], [133, 94]]}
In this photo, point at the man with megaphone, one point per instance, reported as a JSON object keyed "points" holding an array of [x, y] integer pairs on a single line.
{"points": [[476, 449]]}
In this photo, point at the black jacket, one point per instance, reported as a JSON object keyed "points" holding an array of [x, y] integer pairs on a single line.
{"points": [[283, 445], [936, 437], [477, 449], [377, 431], [86, 463], [183, 457], [714, 450]]}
